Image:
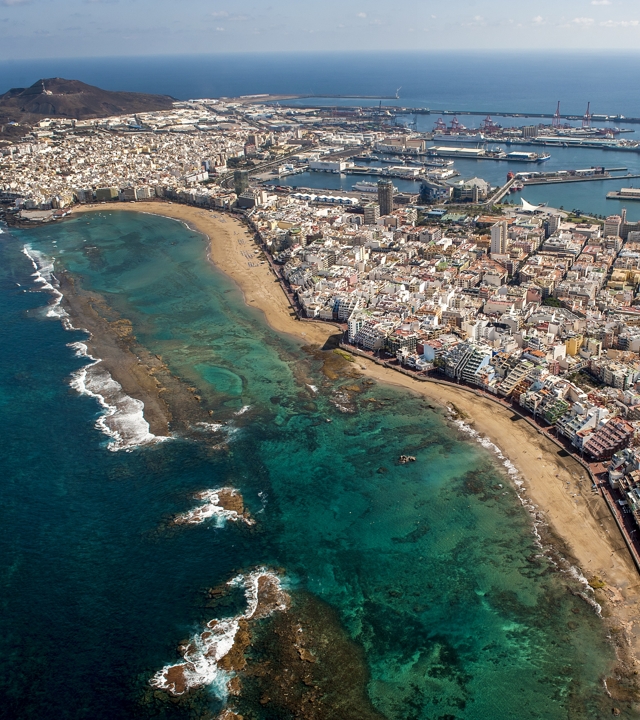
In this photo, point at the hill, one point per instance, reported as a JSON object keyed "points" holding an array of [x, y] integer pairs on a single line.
{"points": [[56, 97]]}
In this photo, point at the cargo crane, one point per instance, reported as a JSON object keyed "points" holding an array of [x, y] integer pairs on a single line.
{"points": [[440, 125], [556, 117], [586, 120], [456, 125], [488, 126]]}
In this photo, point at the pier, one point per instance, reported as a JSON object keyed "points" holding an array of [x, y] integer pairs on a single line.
{"points": [[381, 172], [500, 193], [403, 110], [616, 195], [589, 178]]}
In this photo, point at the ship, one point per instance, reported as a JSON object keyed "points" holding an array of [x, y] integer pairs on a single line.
{"points": [[527, 157], [460, 138], [439, 163], [363, 186], [370, 187]]}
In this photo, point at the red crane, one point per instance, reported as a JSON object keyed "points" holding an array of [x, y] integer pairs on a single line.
{"points": [[586, 120], [488, 126], [556, 117]]}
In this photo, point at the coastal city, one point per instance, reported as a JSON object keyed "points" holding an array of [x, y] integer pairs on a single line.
{"points": [[320, 360], [445, 279]]}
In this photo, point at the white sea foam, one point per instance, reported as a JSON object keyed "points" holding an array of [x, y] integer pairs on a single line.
{"points": [[243, 409], [211, 509], [201, 656], [210, 427], [44, 276], [488, 445], [123, 419], [81, 349], [513, 473], [587, 594], [1, 231], [536, 517], [227, 428]]}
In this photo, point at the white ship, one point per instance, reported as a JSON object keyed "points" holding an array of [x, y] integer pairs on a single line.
{"points": [[528, 157], [460, 137], [364, 186]]}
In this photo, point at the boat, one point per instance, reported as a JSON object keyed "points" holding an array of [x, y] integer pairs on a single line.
{"points": [[456, 152], [363, 186], [459, 137], [519, 156], [439, 163]]}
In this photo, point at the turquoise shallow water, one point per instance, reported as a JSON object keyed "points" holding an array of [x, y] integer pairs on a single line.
{"points": [[432, 567]]}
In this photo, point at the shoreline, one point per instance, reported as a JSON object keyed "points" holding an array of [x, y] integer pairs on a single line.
{"points": [[228, 239], [578, 518]]}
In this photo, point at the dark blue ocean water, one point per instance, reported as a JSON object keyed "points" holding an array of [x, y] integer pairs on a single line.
{"points": [[508, 81], [432, 567]]}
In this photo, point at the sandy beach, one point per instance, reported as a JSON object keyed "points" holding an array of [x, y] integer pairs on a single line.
{"points": [[555, 483], [229, 239]]}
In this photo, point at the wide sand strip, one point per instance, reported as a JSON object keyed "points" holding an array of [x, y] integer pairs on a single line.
{"points": [[555, 483]]}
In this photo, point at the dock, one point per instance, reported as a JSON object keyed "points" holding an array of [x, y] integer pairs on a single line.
{"points": [[500, 193], [625, 194], [588, 178]]}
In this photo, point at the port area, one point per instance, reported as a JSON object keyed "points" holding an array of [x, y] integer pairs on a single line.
{"points": [[553, 179], [465, 153], [397, 109], [401, 172]]}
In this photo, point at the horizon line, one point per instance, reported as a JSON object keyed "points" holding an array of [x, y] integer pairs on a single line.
{"points": [[328, 53]]}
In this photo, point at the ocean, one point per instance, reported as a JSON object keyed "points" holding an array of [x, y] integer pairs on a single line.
{"points": [[425, 584], [512, 82]]}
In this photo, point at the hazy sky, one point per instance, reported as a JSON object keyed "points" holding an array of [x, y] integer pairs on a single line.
{"points": [[66, 28]]}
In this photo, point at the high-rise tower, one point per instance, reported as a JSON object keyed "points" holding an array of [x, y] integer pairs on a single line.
{"points": [[385, 196], [499, 239], [240, 181]]}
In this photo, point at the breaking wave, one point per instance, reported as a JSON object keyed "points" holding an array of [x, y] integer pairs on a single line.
{"points": [[122, 420], [218, 505], [204, 654], [44, 276], [536, 516]]}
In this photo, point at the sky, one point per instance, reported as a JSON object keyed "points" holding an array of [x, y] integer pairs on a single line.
{"points": [[87, 28]]}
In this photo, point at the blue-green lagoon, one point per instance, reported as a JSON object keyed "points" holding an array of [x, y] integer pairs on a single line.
{"points": [[420, 590]]}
